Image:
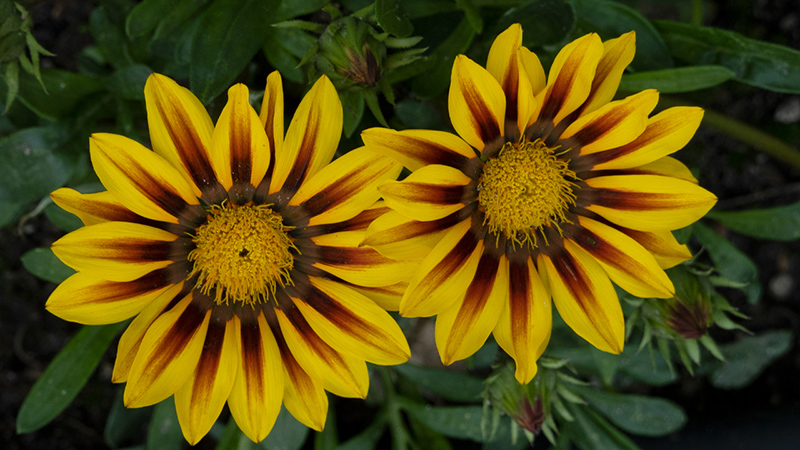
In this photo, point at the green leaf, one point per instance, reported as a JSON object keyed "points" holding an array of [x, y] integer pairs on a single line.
{"points": [[729, 261], [768, 66], [607, 365], [124, 423], [637, 414], [65, 376], [11, 77], [778, 224], [284, 48], [32, 166], [436, 68], [45, 265], [451, 385], [128, 82], [64, 220], [230, 437], [367, 439], [671, 81], [110, 38], [463, 422], [164, 431], [472, 13], [611, 19], [392, 18], [286, 434], [591, 431], [229, 34], [544, 22], [353, 109], [10, 211], [64, 91], [145, 16], [295, 8], [747, 358]]}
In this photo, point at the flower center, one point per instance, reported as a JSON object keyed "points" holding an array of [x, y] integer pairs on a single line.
{"points": [[241, 254], [524, 189]]}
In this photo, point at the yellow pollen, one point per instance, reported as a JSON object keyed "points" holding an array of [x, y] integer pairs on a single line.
{"points": [[242, 253], [525, 189]]}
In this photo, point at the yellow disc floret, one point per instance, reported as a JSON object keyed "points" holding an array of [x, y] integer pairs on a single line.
{"points": [[525, 188], [242, 253]]}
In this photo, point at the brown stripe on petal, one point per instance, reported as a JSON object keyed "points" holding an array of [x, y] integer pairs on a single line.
{"points": [[477, 295], [655, 131], [239, 143], [520, 304], [511, 88], [559, 92], [336, 193], [340, 316], [112, 291], [320, 348], [576, 282], [481, 115], [304, 156], [253, 357], [638, 201], [414, 229], [428, 152], [351, 256], [431, 194], [296, 373], [206, 371], [190, 147], [451, 262], [601, 249], [130, 249], [176, 339], [359, 222]]}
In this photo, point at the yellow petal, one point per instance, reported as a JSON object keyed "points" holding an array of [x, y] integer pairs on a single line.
{"points": [[342, 374], [463, 329], [94, 208], [387, 297], [585, 298], [663, 246], [311, 139], [168, 354], [625, 261], [617, 54], [345, 187], [430, 193], [666, 166], [476, 103], [115, 251], [615, 124], [507, 67], [140, 179], [666, 132], [443, 276], [396, 236], [533, 67], [199, 402], [271, 115], [180, 130], [239, 148], [131, 339], [88, 300], [257, 393], [303, 397], [353, 324], [649, 202], [416, 149], [570, 78]]}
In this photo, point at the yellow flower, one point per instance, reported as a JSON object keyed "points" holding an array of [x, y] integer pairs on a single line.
{"points": [[550, 190], [237, 251]]}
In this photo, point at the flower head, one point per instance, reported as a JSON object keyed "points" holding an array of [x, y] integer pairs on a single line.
{"points": [[237, 252], [551, 190]]}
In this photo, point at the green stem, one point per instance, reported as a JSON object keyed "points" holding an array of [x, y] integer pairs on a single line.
{"points": [[746, 133], [697, 12], [396, 426]]}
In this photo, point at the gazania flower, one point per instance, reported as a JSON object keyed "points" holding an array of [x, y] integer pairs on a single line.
{"points": [[550, 190], [237, 251]]}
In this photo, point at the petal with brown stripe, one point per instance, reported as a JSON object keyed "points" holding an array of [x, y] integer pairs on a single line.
{"points": [[613, 125], [463, 329], [398, 237], [311, 139], [257, 393], [303, 396], [415, 149], [387, 297], [662, 245], [443, 276], [584, 297], [625, 261], [666, 132], [180, 130], [168, 354], [139, 179], [89, 300], [116, 251], [666, 166], [343, 375], [131, 339], [430, 193], [649, 202], [94, 208], [340, 255], [476, 103], [199, 402], [533, 67], [570, 78], [352, 324], [271, 116], [617, 54], [523, 329], [345, 187], [507, 67], [239, 148]]}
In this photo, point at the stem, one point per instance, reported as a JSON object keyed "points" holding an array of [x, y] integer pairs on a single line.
{"points": [[747, 134], [697, 12], [396, 426]]}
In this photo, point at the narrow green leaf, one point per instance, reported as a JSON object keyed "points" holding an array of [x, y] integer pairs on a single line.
{"points": [[65, 376], [454, 386], [747, 358], [778, 224], [611, 19], [110, 38], [128, 82], [730, 261], [463, 422], [229, 34], [64, 91], [392, 18], [589, 430], [435, 69], [124, 423], [286, 434], [761, 64], [296, 8], [367, 439], [230, 437], [145, 16], [11, 78], [164, 431], [472, 13], [543, 22], [353, 109], [45, 265], [32, 164], [607, 365], [637, 414], [671, 81]]}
